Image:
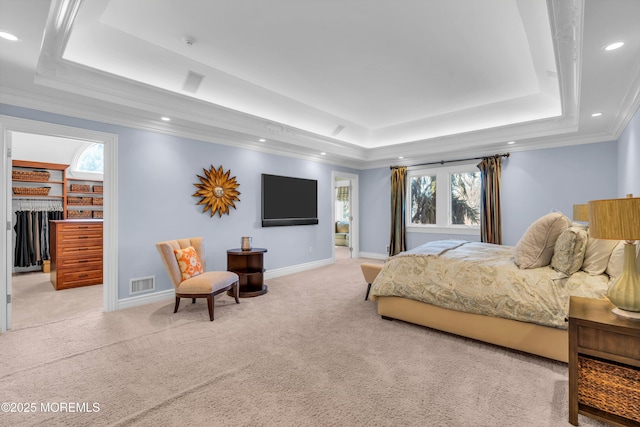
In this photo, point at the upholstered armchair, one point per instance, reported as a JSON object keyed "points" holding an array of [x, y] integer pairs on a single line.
{"points": [[342, 233], [184, 260]]}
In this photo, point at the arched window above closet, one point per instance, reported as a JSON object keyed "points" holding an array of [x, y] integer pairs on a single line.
{"points": [[90, 159]]}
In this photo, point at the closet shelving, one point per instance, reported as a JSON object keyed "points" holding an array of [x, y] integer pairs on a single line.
{"points": [[84, 198], [39, 195], [56, 181]]}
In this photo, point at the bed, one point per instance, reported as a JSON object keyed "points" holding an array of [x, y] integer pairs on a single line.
{"points": [[489, 292]]}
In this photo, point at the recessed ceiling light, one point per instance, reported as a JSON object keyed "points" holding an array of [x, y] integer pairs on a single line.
{"points": [[511, 142], [8, 36], [401, 157], [614, 46], [262, 140], [596, 114], [166, 119], [323, 154]]}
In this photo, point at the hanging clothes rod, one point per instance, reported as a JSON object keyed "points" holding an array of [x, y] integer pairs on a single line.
{"points": [[38, 205], [442, 162]]}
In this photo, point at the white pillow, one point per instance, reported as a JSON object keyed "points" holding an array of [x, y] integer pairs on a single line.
{"points": [[569, 250], [596, 258], [535, 247], [616, 262]]}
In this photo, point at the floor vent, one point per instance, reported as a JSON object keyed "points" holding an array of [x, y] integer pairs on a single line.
{"points": [[142, 284]]}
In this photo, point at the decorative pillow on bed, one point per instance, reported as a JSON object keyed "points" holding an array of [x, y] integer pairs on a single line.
{"points": [[596, 258], [569, 250], [535, 248], [189, 262], [616, 262]]}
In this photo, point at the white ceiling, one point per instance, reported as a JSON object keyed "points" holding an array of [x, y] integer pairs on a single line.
{"points": [[362, 81], [45, 148]]}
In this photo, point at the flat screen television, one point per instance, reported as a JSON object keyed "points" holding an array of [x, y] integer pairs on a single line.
{"points": [[289, 201]]}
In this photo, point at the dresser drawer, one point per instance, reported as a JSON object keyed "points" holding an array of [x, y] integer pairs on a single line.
{"points": [[64, 237], [77, 264], [80, 276], [87, 243], [79, 252], [81, 227], [79, 279]]}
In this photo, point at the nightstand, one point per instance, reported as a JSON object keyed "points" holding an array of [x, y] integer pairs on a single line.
{"points": [[604, 364]]}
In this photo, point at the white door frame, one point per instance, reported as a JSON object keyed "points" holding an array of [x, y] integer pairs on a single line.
{"points": [[354, 227], [10, 124]]}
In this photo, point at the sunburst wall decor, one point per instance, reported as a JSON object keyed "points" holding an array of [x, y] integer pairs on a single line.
{"points": [[217, 191]]}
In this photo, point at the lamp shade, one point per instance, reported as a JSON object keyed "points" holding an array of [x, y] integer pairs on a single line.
{"points": [[581, 212], [615, 219]]}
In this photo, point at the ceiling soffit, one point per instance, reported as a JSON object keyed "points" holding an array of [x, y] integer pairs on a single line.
{"points": [[144, 101]]}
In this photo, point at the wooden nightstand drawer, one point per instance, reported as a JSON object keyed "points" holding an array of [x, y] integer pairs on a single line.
{"points": [[612, 388], [606, 341]]}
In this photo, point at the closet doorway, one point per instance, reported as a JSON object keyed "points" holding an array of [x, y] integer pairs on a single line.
{"points": [[345, 224], [65, 163], [31, 298]]}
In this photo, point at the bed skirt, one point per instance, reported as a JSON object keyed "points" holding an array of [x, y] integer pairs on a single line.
{"points": [[545, 341]]}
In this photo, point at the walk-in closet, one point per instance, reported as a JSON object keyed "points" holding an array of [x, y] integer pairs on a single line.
{"points": [[57, 238]]}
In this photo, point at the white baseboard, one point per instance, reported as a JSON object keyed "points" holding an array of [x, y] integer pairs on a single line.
{"points": [[146, 299], [270, 274], [373, 255], [170, 293]]}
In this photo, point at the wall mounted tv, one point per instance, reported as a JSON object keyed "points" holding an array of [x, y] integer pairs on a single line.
{"points": [[289, 201]]}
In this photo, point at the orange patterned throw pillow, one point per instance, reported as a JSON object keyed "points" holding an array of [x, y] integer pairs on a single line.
{"points": [[189, 262]]}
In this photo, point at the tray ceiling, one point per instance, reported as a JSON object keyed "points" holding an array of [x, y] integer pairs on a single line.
{"points": [[361, 81]]}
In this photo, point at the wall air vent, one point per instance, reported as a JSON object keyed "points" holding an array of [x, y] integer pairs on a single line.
{"points": [[142, 284], [192, 83]]}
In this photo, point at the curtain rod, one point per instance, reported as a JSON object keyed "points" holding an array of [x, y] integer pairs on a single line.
{"points": [[442, 162]]}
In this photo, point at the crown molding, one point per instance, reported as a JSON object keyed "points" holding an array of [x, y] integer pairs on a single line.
{"points": [[629, 105], [103, 112], [66, 88]]}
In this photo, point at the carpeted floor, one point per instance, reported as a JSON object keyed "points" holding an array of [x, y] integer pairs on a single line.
{"points": [[310, 352], [35, 301]]}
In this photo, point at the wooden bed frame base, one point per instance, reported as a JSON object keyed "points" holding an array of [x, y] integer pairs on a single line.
{"points": [[544, 341]]}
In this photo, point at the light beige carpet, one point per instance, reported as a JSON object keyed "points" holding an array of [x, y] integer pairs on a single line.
{"points": [[310, 352], [35, 301]]}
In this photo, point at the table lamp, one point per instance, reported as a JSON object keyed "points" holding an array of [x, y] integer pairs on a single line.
{"points": [[581, 213], [619, 219]]}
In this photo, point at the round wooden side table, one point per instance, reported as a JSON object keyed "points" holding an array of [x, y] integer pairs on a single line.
{"points": [[249, 266]]}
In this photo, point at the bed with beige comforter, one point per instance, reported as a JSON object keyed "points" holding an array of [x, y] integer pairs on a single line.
{"points": [[469, 283]]}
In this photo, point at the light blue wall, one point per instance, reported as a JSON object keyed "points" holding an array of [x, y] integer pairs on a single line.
{"points": [[156, 203], [629, 159], [534, 183], [539, 181], [156, 173], [375, 210]]}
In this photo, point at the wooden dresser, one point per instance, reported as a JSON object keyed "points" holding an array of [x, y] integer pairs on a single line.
{"points": [[76, 253]]}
